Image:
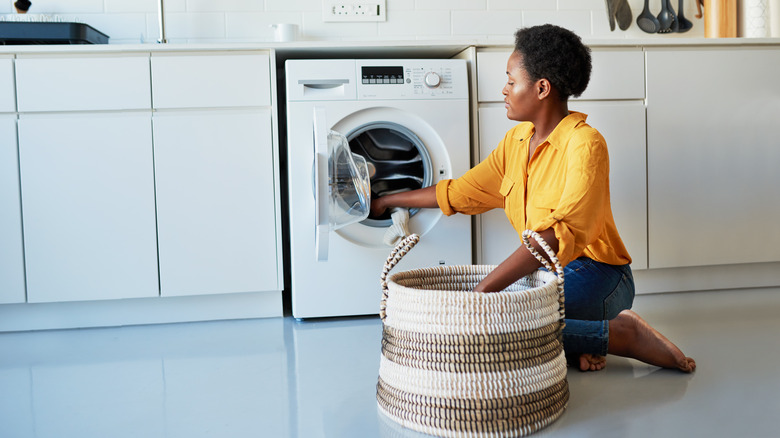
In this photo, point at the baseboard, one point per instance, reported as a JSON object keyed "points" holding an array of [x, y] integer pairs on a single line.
{"points": [[110, 313]]}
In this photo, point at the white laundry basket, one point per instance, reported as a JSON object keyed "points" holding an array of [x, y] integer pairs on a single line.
{"points": [[462, 363]]}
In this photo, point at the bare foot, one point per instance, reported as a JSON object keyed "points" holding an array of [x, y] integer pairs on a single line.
{"points": [[592, 362], [631, 336]]}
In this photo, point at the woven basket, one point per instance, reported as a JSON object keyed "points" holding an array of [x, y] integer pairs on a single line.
{"points": [[458, 363]]}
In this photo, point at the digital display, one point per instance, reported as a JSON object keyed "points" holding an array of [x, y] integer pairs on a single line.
{"points": [[383, 75]]}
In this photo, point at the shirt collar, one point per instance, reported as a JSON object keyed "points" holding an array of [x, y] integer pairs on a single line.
{"points": [[562, 132], [523, 132]]}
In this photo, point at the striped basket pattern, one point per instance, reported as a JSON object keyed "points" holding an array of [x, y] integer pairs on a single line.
{"points": [[458, 363]]}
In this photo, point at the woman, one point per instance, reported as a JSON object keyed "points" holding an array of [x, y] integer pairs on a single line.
{"points": [[551, 174]]}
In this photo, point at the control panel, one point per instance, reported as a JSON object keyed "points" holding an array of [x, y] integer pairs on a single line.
{"points": [[412, 79]]}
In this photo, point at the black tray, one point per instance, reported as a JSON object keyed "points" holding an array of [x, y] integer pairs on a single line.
{"points": [[23, 32]]}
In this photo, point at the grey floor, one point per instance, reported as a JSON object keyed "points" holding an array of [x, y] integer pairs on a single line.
{"points": [[284, 378]]}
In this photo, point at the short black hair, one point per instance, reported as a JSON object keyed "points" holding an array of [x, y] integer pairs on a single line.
{"points": [[23, 5], [556, 54]]}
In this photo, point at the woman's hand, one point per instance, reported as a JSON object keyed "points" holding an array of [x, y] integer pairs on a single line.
{"points": [[420, 198], [519, 264], [377, 206]]}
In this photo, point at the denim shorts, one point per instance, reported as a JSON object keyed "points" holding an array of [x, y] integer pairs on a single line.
{"points": [[594, 293]]}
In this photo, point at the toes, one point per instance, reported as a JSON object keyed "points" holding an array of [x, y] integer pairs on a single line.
{"points": [[584, 363], [688, 365], [590, 362]]}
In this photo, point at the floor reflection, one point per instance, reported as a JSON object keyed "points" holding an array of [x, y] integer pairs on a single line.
{"points": [[285, 378]]}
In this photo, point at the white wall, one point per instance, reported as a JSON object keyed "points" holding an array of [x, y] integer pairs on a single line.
{"points": [[134, 21]]}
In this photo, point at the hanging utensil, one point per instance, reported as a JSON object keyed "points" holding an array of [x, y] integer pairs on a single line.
{"points": [[683, 24], [647, 21], [665, 17]]}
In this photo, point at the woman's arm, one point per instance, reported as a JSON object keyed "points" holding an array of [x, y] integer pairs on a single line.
{"points": [[420, 198], [517, 265]]}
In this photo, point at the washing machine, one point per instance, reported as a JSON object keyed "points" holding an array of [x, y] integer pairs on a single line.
{"points": [[402, 125]]}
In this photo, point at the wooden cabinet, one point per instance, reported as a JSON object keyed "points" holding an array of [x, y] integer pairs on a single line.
{"points": [[712, 156], [615, 106], [88, 206], [11, 251], [216, 210]]}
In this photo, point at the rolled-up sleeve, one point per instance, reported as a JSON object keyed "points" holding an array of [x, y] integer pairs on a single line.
{"points": [[477, 191], [580, 215]]}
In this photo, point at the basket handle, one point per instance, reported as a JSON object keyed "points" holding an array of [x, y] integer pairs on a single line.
{"points": [[558, 270], [400, 250]]}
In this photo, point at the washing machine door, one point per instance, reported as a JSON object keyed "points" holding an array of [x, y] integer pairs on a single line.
{"points": [[342, 187]]}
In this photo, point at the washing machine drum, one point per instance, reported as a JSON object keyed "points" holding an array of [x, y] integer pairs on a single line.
{"points": [[397, 160]]}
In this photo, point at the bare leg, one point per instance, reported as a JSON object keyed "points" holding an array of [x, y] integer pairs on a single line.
{"points": [[631, 336], [592, 362]]}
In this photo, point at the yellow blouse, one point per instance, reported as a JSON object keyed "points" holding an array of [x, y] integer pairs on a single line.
{"points": [[565, 186]]}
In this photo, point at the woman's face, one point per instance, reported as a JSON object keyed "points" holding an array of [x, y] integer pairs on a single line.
{"points": [[520, 95]]}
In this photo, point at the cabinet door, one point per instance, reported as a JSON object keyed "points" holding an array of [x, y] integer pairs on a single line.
{"points": [[712, 156], [623, 126], [88, 207], [7, 93], [82, 83], [11, 252], [211, 81], [216, 202], [618, 74], [497, 237]]}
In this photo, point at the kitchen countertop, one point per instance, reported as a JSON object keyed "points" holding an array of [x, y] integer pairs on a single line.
{"points": [[299, 47], [417, 48]]}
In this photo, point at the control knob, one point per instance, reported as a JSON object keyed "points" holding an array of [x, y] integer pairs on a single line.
{"points": [[432, 79]]}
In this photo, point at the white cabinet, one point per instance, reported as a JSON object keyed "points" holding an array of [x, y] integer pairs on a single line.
{"points": [[11, 252], [617, 74], [216, 202], [7, 92], [87, 177], [615, 106], [713, 155], [217, 183], [622, 123], [126, 175], [77, 83], [88, 206], [497, 237], [211, 80]]}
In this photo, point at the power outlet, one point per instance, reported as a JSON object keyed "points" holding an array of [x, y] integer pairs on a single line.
{"points": [[354, 10]]}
